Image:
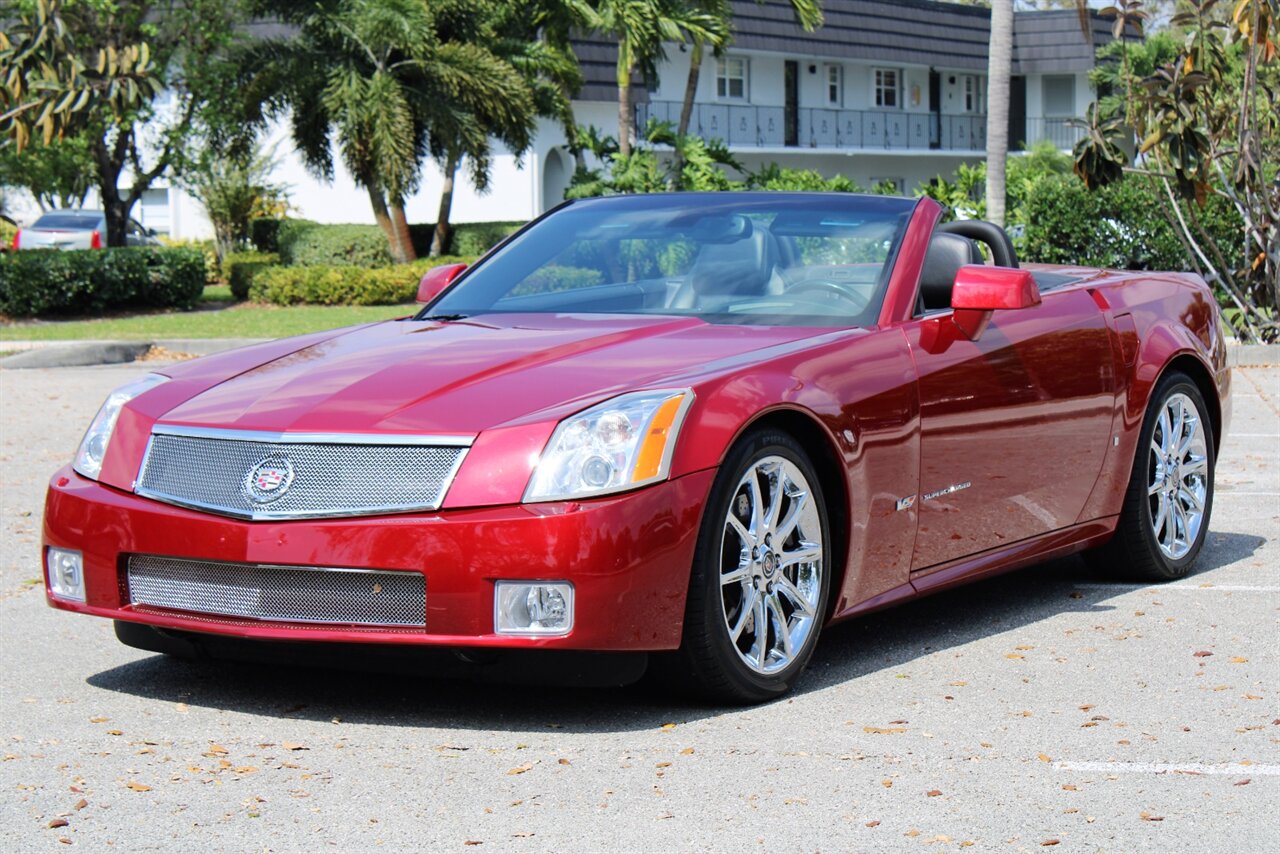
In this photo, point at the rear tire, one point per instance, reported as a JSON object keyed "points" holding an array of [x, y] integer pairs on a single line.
{"points": [[761, 576], [1165, 515]]}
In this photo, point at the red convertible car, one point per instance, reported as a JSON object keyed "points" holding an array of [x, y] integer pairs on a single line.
{"points": [[693, 428]]}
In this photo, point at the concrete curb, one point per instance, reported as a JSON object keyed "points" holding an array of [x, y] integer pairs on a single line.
{"points": [[72, 354], [1252, 355]]}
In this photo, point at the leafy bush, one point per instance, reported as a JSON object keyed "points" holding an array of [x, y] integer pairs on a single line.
{"points": [[39, 282], [332, 245], [342, 284], [239, 268], [304, 242], [477, 238], [1118, 225], [7, 231], [213, 270], [558, 278]]}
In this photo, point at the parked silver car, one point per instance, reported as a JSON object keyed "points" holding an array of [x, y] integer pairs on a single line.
{"points": [[77, 229]]}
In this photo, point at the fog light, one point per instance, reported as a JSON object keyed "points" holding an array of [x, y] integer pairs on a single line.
{"points": [[66, 574], [533, 608]]}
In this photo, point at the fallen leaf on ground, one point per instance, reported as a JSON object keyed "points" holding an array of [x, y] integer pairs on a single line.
{"points": [[1239, 659], [59, 822], [1014, 655], [217, 749], [873, 824], [688, 751], [933, 793], [1146, 816], [139, 787], [884, 730], [1049, 842], [1204, 653], [1044, 757], [667, 727], [888, 784], [524, 834], [1068, 787], [82, 803], [473, 842], [1244, 782], [293, 745], [520, 769], [565, 762], [99, 720]]}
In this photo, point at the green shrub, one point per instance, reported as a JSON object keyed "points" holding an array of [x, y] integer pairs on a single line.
{"points": [[558, 278], [332, 245], [213, 270], [239, 268], [342, 284], [477, 238], [1119, 226], [264, 232], [39, 282]]}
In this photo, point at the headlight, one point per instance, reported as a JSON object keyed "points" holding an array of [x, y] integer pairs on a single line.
{"points": [[620, 444], [93, 447]]}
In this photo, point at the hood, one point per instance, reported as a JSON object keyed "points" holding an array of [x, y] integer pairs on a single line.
{"points": [[463, 377]]}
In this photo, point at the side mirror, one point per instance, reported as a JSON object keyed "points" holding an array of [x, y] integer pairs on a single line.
{"points": [[151, 232], [435, 280], [979, 290]]}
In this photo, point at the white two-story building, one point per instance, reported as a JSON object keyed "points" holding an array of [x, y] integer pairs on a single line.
{"points": [[884, 91]]}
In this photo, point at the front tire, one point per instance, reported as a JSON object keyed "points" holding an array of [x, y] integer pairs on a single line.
{"points": [[761, 575], [1166, 509]]}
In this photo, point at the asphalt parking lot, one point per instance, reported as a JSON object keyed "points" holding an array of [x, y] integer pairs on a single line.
{"points": [[1043, 709]]}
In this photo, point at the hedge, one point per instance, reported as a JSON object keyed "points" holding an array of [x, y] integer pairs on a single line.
{"points": [[89, 281], [1119, 226], [344, 285], [239, 268], [301, 242]]}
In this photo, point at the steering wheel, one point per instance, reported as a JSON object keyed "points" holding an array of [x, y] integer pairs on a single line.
{"points": [[831, 289]]}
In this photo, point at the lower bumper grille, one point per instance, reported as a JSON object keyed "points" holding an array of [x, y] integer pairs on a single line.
{"points": [[279, 593]]}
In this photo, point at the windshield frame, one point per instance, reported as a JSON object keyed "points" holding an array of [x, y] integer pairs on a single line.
{"points": [[904, 209]]}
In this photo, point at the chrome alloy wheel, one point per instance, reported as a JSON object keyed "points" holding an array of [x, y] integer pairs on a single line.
{"points": [[1178, 476], [771, 565]]}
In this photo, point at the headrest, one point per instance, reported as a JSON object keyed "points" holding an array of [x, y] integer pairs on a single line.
{"points": [[741, 267]]}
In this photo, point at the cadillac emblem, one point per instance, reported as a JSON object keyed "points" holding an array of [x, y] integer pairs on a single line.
{"points": [[269, 480]]}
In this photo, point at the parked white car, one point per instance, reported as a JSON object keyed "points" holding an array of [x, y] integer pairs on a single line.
{"points": [[77, 229]]}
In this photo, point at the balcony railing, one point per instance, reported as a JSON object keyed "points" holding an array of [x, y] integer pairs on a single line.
{"points": [[744, 126]]}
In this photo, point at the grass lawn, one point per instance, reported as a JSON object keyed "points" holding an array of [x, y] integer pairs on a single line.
{"points": [[217, 318]]}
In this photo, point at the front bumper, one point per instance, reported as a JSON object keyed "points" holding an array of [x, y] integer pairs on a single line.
{"points": [[628, 557]]}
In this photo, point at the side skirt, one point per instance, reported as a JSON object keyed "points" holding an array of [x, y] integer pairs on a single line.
{"points": [[1055, 544]]}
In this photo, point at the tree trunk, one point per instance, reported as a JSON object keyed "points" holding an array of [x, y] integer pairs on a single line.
{"points": [[115, 208], [400, 224], [440, 240], [380, 214], [686, 108], [999, 68], [690, 88], [625, 121]]}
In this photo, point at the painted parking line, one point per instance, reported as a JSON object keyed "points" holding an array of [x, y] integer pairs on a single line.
{"points": [[1160, 588], [1221, 492], [1231, 769], [1253, 436]]}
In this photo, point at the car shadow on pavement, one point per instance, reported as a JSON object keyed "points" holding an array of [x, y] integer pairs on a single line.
{"points": [[862, 646]]}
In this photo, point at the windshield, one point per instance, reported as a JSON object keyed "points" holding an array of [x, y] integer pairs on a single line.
{"points": [[69, 221], [787, 259]]}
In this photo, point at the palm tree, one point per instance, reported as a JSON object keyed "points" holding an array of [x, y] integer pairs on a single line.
{"points": [[808, 15], [641, 27], [545, 65], [999, 69], [389, 82]]}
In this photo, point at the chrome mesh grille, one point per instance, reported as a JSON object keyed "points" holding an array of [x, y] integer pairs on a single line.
{"points": [[281, 593], [329, 478]]}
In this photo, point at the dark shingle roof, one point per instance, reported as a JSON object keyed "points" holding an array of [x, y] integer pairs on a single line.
{"points": [[944, 35]]}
